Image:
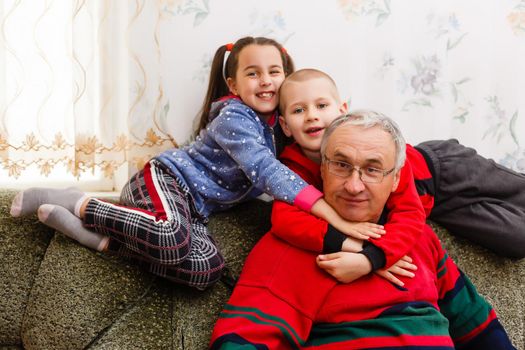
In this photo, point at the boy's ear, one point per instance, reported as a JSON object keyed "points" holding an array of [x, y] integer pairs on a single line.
{"points": [[284, 126], [232, 86], [344, 108]]}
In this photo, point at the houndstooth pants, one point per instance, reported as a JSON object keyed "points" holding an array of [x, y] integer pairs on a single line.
{"points": [[158, 226]]}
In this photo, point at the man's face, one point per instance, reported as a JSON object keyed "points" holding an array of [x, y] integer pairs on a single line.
{"points": [[310, 107], [352, 198]]}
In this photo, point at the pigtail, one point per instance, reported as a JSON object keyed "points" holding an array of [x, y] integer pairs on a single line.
{"points": [[288, 64], [216, 87]]}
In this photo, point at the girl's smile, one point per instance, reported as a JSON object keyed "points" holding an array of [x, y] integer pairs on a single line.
{"points": [[259, 75]]}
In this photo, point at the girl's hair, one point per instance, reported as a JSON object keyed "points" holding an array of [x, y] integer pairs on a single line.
{"points": [[220, 72]]}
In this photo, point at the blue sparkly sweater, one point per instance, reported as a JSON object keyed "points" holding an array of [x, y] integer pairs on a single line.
{"points": [[234, 159]]}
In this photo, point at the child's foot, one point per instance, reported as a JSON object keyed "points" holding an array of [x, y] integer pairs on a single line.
{"points": [[27, 202], [64, 221]]}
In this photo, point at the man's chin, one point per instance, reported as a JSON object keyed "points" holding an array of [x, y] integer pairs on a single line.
{"points": [[354, 215]]}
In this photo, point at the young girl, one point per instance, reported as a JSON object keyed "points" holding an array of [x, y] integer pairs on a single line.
{"points": [[162, 220]]}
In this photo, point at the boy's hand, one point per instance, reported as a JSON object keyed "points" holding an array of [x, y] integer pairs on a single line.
{"points": [[352, 245], [363, 230], [403, 267], [345, 267]]}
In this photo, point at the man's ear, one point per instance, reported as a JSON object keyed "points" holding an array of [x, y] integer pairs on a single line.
{"points": [[397, 177], [343, 109], [232, 86], [285, 127]]}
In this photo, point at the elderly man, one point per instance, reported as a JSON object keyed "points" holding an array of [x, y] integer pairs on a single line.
{"points": [[283, 300]]}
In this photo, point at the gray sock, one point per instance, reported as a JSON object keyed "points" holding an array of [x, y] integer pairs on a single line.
{"points": [[64, 221], [27, 202]]}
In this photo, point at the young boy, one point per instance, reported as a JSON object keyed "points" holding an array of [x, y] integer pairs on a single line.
{"points": [[470, 195]]}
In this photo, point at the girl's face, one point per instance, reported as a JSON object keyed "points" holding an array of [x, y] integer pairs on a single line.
{"points": [[259, 75]]}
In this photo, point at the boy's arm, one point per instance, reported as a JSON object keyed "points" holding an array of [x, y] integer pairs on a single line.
{"points": [[308, 232], [405, 221], [304, 230], [473, 324]]}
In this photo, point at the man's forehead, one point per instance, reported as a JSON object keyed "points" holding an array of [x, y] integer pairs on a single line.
{"points": [[350, 141]]}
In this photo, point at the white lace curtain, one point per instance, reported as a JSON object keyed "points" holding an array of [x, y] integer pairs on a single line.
{"points": [[72, 103], [90, 89]]}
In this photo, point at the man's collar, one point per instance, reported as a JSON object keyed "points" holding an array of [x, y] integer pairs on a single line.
{"points": [[384, 217]]}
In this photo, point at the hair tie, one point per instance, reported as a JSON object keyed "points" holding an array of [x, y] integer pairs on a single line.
{"points": [[229, 47], [283, 50]]}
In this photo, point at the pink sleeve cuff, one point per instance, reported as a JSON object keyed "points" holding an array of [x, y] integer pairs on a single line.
{"points": [[307, 197]]}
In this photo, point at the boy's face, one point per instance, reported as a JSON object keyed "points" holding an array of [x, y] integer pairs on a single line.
{"points": [[309, 107]]}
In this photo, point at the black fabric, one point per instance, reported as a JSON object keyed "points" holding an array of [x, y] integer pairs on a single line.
{"points": [[477, 198], [374, 254], [333, 240]]}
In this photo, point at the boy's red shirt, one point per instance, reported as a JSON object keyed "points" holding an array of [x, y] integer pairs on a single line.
{"points": [[405, 221]]}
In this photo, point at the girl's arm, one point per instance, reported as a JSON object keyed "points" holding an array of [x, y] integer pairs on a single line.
{"points": [[361, 230], [240, 133], [306, 231]]}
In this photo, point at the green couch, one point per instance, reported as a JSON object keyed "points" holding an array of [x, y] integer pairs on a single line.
{"points": [[56, 294]]}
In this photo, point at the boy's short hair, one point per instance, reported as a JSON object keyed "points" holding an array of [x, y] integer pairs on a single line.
{"points": [[302, 75]]}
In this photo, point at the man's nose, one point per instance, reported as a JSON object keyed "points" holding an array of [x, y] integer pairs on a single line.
{"points": [[353, 183]]}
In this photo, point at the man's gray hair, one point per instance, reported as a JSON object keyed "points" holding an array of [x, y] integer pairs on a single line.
{"points": [[368, 119]]}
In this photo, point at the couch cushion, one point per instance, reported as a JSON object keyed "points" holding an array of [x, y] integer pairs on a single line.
{"points": [[23, 243], [61, 295]]}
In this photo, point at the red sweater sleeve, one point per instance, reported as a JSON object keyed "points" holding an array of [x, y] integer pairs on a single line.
{"points": [[406, 219], [297, 227], [291, 224]]}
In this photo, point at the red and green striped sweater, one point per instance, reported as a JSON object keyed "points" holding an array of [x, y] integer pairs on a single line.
{"points": [[283, 301]]}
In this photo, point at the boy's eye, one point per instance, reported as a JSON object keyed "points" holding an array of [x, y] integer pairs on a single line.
{"points": [[251, 74], [298, 110], [322, 105], [275, 72]]}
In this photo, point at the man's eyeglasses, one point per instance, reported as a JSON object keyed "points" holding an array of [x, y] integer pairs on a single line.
{"points": [[366, 174]]}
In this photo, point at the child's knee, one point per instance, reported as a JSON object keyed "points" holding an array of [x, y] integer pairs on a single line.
{"points": [[214, 271], [168, 254]]}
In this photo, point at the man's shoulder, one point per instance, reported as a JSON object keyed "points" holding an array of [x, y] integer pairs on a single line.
{"points": [[430, 242]]}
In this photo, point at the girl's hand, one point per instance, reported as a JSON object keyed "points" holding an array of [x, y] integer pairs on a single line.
{"points": [[345, 267], [362, 230], [403, 267]]}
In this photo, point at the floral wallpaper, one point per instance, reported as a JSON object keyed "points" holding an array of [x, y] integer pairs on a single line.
{"points": [[441, 69]]}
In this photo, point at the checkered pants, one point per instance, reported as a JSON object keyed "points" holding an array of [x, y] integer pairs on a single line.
{"points": [[158, 226]]}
